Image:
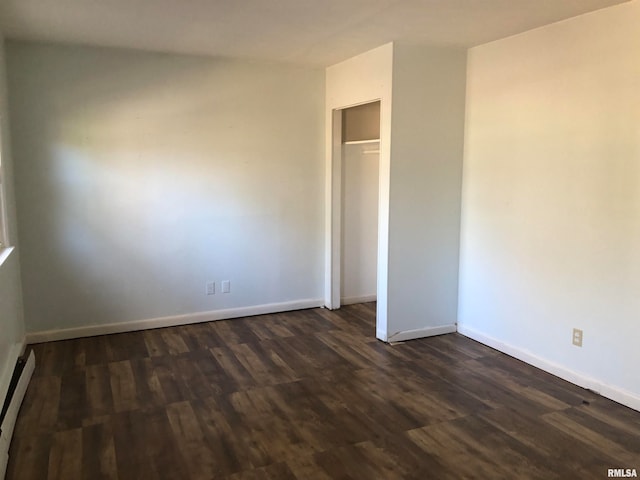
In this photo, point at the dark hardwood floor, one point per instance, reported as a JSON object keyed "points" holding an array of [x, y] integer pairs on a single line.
{"points": [[307, 395]]}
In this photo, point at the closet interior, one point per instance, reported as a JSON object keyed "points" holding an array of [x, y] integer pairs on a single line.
{"points": [[360, 167]]}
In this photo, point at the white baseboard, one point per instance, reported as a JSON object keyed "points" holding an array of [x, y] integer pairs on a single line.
{"points": [[10, 418], [421, 333], [358, 299], [170, 321], [616, 394]]}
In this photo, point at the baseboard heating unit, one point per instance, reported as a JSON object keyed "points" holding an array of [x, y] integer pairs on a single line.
{"points": [[17, 388]]}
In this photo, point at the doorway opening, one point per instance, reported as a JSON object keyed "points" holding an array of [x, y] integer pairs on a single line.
{"points": [[356, 166]]}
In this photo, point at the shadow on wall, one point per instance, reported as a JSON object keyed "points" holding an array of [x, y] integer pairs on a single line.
{"points": [[141, 176]]}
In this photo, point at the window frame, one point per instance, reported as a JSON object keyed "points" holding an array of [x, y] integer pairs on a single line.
{"points": [[4, 234]]}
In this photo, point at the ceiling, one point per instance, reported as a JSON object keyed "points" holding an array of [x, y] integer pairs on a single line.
{"points": [[313, 32]]}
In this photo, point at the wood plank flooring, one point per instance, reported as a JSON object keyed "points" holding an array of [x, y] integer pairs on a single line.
{"points": [[307, 395]]}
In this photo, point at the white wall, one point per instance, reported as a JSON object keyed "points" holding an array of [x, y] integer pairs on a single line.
{"points": [[427, 138], [11, 319], [142, 176], [359, 222], [361, 79], [551, 217]]}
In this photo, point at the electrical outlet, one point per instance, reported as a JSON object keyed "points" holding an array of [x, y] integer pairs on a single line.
{"points": [[211, 288], [577, 337], [226, 286]]}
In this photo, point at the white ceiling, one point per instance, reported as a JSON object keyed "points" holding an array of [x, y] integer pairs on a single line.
{"points": [[314, 32]]}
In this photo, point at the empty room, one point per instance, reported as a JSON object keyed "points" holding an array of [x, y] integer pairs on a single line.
{"points": [[394, 239]]}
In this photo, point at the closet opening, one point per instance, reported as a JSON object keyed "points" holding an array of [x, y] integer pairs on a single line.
{"points": [[358, 167]]}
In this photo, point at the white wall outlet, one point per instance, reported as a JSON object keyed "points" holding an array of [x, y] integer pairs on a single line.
{"points": [[577, 337], [226, 286], [211, 288]]}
